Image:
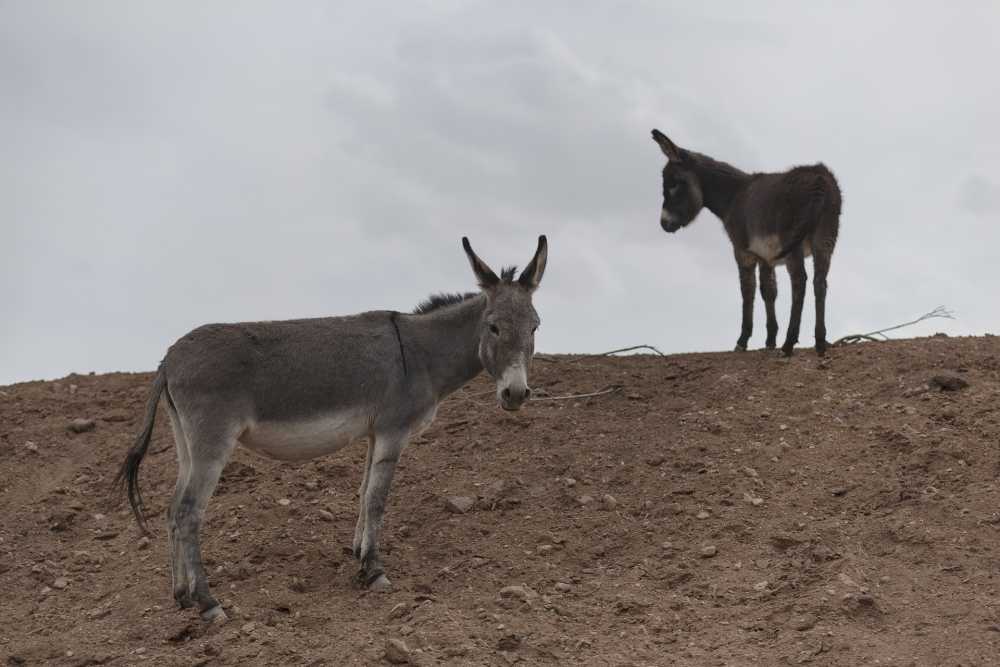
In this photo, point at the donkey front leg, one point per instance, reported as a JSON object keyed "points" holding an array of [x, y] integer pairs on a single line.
{"points": [[797, 272], [385, 453], [769, 292], [748, 285], [359, 527], [821, 266]]}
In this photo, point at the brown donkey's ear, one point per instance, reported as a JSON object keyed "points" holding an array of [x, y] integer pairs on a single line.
{"points": [[484, 274], [669, 148], [531, 277]]}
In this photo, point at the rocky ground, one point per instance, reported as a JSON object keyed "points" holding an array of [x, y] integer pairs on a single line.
{"points": [[713, 509]]}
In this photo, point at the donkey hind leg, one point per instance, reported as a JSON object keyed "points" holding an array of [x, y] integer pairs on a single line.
{"points": [[209, 452], [178, 567], [359, 527], [821, 266], [385, 453], [797, 272], [748, 285], [769, 292]]}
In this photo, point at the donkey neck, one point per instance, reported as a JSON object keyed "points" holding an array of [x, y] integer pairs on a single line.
{"points": [[720, 183], [446, 342]]}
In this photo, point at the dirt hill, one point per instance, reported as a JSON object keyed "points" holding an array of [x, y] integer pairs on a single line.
{"points": [[716, 509]]}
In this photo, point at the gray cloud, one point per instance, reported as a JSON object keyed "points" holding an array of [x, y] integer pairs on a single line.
{"points": [[167, 165]]}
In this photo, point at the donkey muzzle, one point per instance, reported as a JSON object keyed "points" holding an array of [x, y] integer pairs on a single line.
{"points": [[513, 389]]}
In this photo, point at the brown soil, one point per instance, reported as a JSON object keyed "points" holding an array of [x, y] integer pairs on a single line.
{"points": [[853, 514]]}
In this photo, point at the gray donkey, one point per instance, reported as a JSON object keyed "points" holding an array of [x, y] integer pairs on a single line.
{"points": [[771, 219], [299, 389]]}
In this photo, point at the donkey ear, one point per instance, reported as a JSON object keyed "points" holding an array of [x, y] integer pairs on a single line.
{"points": [[484, 274], [669, 148], [531, 277]]}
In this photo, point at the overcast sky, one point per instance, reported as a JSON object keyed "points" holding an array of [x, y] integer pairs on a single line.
{"points": [[167, 164]]}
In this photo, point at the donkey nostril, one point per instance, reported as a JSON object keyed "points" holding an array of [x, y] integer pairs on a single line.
{"points": [[527, 392], [505, 394]]}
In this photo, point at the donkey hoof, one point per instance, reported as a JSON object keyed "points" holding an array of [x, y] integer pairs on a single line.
{"points": [[381, 584], [787, 352], [740, 348], [214, 615]]}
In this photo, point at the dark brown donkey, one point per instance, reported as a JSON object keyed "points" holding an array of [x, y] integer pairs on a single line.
{"points": [[770, 219]]}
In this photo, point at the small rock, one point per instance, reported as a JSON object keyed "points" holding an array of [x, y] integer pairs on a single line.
{"points": [[839, 491], [752, 499], [570, 482], [459, 504], [248, 628], [703, 514], [60, 583], [143, 543], [544, 548], [609, 501], [656, 460], [30, 446], [760, 586], [326, 516], [948, 383], [45, 590], [522, 593], [510, 642], [585, 499], [563, 587], [284, 502], [397, 652], [399, 611], [81, 425], [803, 622], [708, 552]]}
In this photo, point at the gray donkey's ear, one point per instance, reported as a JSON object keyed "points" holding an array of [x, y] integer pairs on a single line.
{"points": [[531, 277], [484, 274], [669, 148]]}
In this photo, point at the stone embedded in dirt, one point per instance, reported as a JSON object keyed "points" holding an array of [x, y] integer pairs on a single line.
{"points": [[703, 514], [459, 504], [656, 460], [397, 652], [760, 586], [609, 502], [31, 447], [570, 482], [248, 628], [563, 587], [708, 552], [803, 622], [116, 416], [522, 593], [840, 490], [143, 543], [585, 499], [544, 548], [946, 382], [399, 611], [326, 516], [752, 499], [81, 425], [284, 502], [60, 583], [509, 642]]}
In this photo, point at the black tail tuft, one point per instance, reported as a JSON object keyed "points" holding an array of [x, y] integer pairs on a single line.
{"points": [[127, 480]]}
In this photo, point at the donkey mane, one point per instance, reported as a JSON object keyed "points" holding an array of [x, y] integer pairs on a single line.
{"points": [[444, 299], [710, 164], [436, 301]]}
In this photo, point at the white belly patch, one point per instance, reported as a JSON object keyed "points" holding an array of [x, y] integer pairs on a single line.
{"points": [[769, 247], [307, 438]]}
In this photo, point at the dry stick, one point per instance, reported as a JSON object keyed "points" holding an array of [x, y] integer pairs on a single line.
{"points": [[569, 396], [939, 312], [623, 349]]}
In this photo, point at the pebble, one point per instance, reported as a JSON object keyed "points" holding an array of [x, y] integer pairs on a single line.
{"points": [[948, 383], [609, 501], [585, 499], [570, 482], [459, 504], [803, 622], [522, 593], [60, 583], [81, 425], [248, 628], [397, 652], [708, 552], [656, 460], [284, 502], [760, 586], [326, 516], [30, 446], [143, 543], [703, 514], [563, 587]]}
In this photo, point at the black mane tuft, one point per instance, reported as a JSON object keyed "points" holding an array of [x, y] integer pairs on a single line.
{"points": [[435, 301], [507, 274]]}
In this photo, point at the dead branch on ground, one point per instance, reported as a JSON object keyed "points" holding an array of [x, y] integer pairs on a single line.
{"points": [[879, 335]]}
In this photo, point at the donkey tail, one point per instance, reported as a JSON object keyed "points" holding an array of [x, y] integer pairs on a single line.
{"points": [[127, 480]]}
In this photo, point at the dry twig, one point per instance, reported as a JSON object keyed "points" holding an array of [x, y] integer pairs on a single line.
{"points": [[609, 390], [939, 312]]}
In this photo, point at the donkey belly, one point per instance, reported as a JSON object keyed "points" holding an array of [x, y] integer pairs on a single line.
{"points": [[769, 247], [306, 438]]}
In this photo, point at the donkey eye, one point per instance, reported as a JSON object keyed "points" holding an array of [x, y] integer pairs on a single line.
{"points": [[534, 328], [674, 190], [495, 330]]}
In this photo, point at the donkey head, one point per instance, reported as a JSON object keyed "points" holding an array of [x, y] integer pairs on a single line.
{"points": [[507, 332], [682, 196]]}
